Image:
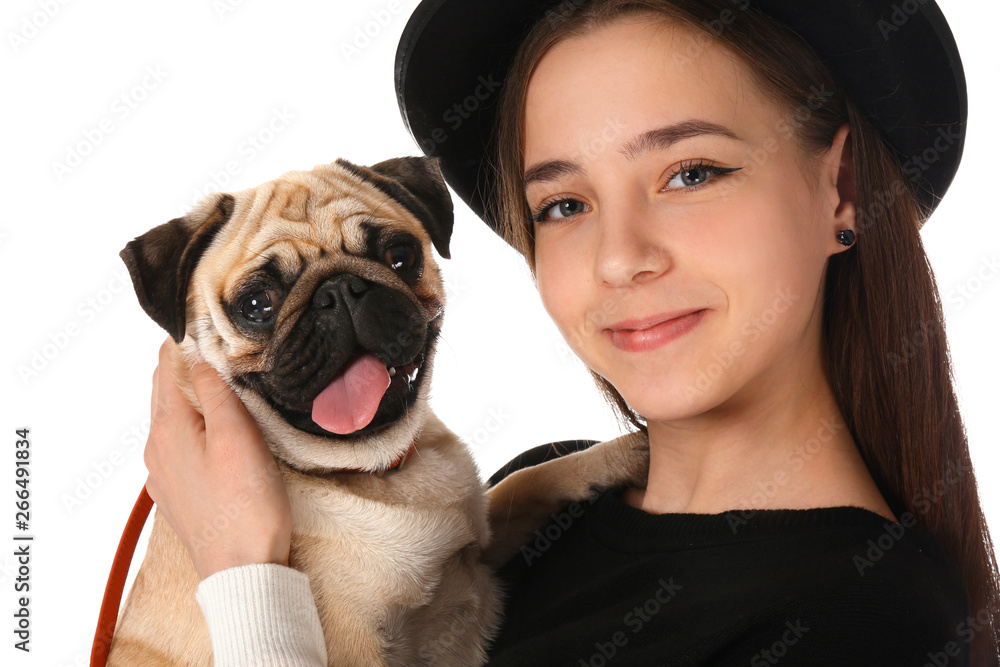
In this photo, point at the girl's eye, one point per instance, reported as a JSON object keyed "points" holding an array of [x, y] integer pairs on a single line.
{"points": [[691, 176], [559, 210]]}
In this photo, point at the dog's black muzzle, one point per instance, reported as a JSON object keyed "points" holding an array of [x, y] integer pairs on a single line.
{"points": [[348, 316]]}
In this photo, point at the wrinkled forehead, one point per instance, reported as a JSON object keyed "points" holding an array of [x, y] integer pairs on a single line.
{"points": [[305, 216], [322, 209]]}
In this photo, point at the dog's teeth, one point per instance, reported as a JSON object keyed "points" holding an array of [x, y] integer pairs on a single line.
{"points": [[392, 371]]}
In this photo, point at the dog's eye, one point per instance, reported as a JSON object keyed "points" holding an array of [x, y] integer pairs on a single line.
{"points": [[260, 307], [400, 257]]}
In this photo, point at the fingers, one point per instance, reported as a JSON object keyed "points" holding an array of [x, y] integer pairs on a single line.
{"points": [[170, 400], [212, 392], [233, 440], [228, 425], [201, 464], [176, 429], [163, 361], [152, 394], [152, 489]]}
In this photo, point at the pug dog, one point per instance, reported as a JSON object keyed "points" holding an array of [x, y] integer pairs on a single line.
{"points": [[317, 298]]}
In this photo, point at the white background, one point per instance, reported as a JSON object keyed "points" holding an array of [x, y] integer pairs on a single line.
{"points": [[224, 70]]}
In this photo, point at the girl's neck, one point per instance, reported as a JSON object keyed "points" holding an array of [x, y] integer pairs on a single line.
{"points": [[792, 453]]}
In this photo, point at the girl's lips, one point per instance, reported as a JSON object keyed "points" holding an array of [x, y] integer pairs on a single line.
{"points": [[653, 333]]}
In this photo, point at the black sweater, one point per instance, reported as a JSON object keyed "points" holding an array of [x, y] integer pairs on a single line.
{"points": [[606, 584]]}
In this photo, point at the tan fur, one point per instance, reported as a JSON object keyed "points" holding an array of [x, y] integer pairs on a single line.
{"points": [[163, 589], [528, 498], [399, 564]]}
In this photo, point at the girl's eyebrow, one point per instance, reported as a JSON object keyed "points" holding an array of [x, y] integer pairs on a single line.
{"points": [[551, 171], [664, 137], [658, 139]]}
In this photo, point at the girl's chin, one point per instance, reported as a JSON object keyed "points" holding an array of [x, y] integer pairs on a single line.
{"points": [[669, 388], [665, 404]]}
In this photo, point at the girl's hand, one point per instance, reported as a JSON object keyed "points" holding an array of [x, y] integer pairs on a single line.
{"points": [[213, 477]]}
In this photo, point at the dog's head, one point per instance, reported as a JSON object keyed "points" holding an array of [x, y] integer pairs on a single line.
{"points": [[317, 298]]}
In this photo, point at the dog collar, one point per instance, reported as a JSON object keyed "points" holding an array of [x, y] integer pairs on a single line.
{"points": [[398, 463]]}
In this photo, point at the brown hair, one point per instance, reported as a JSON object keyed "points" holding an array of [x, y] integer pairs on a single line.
{"points": [[897, 396]]}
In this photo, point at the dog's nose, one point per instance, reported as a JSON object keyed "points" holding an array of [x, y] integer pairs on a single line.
{"points": [[341, 287]]}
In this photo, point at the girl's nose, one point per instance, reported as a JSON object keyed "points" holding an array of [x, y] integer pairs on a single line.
{"points": [[630, 245]]}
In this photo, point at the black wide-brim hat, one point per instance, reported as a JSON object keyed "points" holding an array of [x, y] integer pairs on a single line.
{"points": [[897, 59]]}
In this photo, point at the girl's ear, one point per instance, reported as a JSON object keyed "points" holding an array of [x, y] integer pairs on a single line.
{"points": [[838, 169]]}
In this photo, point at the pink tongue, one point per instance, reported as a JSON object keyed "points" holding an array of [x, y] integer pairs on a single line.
{"points": [[349, 403]]}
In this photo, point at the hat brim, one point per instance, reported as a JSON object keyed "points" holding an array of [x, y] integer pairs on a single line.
{"points": [[897, 60]]}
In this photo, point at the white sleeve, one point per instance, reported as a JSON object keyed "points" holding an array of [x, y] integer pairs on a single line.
{"points": [[262, 616]]}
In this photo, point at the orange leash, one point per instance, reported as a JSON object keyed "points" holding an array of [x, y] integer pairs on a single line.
{"points": [[116, 580]]}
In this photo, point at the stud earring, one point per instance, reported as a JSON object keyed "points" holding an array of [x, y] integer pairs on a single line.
{"points": [[845, 237]]}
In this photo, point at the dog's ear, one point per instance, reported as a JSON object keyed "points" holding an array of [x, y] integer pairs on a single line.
{"points": [[417, 184], [162, 260]]}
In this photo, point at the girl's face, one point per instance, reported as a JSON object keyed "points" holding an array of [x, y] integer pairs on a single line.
{"points": [[662, 182]]}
